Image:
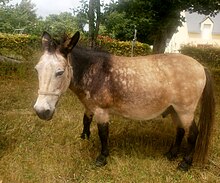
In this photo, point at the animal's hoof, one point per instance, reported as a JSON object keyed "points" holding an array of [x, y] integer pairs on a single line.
{"points": [[85, 135], [101, 160], [183, 166]]}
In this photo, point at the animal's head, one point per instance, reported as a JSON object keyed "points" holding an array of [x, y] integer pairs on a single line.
{"points": [[54, 73]]}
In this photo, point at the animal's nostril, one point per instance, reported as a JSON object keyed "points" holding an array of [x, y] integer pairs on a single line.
{"points": [[47, 112]]}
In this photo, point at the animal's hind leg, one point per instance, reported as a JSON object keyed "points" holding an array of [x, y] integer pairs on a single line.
{"points": [[87, 119], [180, 132], [186, 163], [174, 149]]}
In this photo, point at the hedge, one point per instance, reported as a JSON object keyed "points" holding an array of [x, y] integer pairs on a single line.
{"points": [[209, 56], [23, 46], [122, 48], [18, 45]]}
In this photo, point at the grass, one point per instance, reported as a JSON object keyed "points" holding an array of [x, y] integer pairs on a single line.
{"points": [[35, 151]]}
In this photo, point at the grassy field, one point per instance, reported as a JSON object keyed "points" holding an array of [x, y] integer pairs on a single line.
{"points": [[35, 151]]}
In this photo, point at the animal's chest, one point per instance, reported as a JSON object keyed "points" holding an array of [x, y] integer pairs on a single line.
{"points": [[102, 98]]}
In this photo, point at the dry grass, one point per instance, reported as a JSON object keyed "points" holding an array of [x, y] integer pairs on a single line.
{"points": [[36, 151]]}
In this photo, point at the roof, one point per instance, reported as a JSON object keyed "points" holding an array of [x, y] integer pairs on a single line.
{"points": [[194, 21]]}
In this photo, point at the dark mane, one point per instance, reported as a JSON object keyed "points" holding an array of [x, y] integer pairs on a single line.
{"points": [[83, 60]]}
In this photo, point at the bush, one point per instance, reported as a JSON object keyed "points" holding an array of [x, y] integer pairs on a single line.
{"points": [[19, 46], [16, 54], [122, 48], [22, 47], [209, 56]]}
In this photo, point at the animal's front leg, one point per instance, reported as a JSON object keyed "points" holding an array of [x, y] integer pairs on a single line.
{"points": [[103, 131], [87, 119]]}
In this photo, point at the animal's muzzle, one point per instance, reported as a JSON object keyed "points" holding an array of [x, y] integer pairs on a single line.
{"points": [[45, 106], [44, 114]]}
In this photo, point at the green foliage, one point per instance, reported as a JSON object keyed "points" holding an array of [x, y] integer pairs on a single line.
{"points": [[155, 20], [210, 56], [119, 27], [19, 46], [122, 48], [59, 24], [22, 18], [19, 16], [82, 15]]}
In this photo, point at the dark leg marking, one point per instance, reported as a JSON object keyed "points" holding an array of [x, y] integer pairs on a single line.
{"points": [[103, 130], [86, 126], [174, 149], [186, 163]]}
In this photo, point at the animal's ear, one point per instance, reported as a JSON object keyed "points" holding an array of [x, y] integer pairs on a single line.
{"points": [[73, 41], [46, 41]]}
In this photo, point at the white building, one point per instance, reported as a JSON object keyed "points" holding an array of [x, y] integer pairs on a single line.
{"points": [[197, 30]]}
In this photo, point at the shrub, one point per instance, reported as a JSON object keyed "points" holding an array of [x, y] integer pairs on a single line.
{"points": [[22, 47], [210, 56], [16, 54], [18, 46], [122, 48]]}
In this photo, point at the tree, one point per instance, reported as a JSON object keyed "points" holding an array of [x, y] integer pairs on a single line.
{"points": [[117, 25], [25, 16], [157, 20], [94, 21], [19, 16], [59, 24], [82, 15], [89, 13]]}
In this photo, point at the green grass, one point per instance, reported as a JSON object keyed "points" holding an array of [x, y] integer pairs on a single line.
{"points": [[35, 151]]}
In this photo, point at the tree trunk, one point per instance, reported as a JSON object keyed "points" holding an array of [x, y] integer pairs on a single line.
{"points": [[94, 21], [98, 13], [159, 44], [91, 15]]}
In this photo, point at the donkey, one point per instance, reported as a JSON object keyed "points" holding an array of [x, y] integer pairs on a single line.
{"points": [[139, 88]]}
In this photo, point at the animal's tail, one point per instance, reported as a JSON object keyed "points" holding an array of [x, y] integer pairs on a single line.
{"points": [[206, 120]]}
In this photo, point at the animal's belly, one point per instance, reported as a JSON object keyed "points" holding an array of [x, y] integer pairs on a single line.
{"points": [[139, 113], [143, 104]]}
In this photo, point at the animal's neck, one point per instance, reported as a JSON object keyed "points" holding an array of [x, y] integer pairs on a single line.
{"points": [[89, 69], [81, 62]]}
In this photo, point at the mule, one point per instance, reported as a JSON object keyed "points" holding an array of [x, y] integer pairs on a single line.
{"points": [[139, 88]]}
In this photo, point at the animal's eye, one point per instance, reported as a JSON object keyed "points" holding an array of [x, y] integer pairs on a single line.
{"points": [[59, 73]]}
